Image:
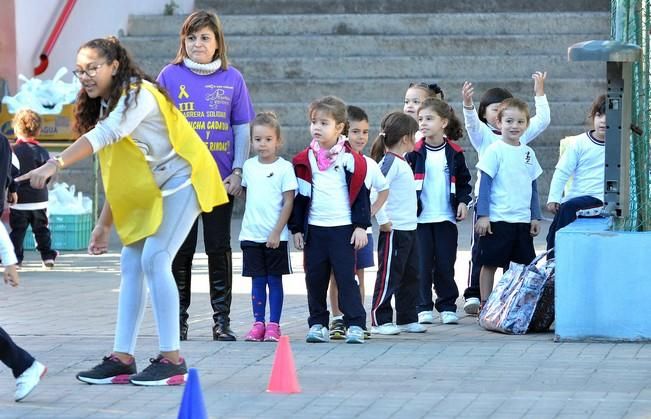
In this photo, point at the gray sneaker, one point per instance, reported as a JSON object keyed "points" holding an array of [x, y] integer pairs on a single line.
{"points": [[318, 334], [355, 334]]}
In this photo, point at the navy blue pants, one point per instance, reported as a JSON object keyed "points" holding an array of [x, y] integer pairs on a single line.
{"points": [[19, 220], [326, 249], [13, 355], [397, 275], [438, 252], [567, 214], [474, 268]]}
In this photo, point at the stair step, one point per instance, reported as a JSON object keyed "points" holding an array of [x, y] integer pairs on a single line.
{"points": [[374, 45], [485, 24], [415, 67], [392, 6]]}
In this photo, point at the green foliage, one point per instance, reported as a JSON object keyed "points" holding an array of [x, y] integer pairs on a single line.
{"points": [[170, 8]]}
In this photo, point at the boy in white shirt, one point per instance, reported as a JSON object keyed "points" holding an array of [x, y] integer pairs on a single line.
{"points": [[583, 161], [507, 206]]}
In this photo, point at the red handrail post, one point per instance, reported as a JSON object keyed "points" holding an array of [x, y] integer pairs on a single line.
{"points": [[52, 39]]}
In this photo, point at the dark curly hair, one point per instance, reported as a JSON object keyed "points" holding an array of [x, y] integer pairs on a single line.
{"points": [[128, 76]]}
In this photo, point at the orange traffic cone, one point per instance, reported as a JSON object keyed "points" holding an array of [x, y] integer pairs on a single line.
{"points": [[283, 372]]}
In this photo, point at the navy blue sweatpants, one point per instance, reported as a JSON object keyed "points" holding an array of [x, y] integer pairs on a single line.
{"points": [[329, 249], [438, 252], [566, 214], [13, 355]]}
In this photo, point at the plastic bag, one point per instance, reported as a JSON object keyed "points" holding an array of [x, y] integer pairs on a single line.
{"points": [[43, 96], [63, 200], [512, 304]]}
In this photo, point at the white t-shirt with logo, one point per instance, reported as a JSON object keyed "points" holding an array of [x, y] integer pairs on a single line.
{"points": [[435, 195], [265, 184], [512, 168], [374, 181]]}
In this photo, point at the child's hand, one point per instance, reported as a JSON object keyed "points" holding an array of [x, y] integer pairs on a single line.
{"points": [[274, 240], [11, 275], [99, 240], [539, 82], [553, 207], [462, 211], [386, 228], [535, 228], [298, 241], [483, 226], [466, 92], [359, 238]]}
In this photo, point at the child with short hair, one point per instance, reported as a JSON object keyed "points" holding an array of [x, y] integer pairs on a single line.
{"points": [[270, 185], [482, 128], [443, 185], [377, 184], [507, 206], [583, 160], [397, 244], [31, 208], [330, 217]]}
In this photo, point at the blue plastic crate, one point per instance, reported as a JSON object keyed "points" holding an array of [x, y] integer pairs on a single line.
{"points": [[69, 232]]}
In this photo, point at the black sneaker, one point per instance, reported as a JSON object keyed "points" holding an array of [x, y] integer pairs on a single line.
{"points": [[110, 371], [337, 329], [161, 372]]}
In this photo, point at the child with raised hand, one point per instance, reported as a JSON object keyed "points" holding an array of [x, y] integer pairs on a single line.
{"points": [[417, 93], [330, 217], [397, 248], [583, 160], [31, 206], [26, 370], [443, 185], [482, 128], [377, 184], [507, 206], [270, 185]]}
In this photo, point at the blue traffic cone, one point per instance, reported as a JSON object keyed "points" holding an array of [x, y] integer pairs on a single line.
{"points": [[192, 405]]}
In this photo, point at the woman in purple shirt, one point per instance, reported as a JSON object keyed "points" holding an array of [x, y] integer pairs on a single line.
{"points": [[215, 100]]}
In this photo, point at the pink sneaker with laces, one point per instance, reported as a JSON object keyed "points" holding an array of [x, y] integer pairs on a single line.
{"points": [[272, 334], [256, 334]]}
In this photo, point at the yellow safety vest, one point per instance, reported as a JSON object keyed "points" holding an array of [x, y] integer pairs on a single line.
{"points": [[131, 191]]}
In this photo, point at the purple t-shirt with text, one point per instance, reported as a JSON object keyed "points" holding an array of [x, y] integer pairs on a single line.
{"points": [[212, 104]]}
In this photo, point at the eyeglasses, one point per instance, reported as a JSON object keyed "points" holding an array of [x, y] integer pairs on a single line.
{"points": [[90, 72]]}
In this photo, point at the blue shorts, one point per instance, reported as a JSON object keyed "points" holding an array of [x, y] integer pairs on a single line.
{"points": [[364, 258]]}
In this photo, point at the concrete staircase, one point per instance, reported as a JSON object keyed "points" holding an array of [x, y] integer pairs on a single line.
{"points": [[368, 51]]}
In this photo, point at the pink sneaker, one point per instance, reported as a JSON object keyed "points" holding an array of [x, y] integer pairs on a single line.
{"points": [[272, 334], [256, 334]]}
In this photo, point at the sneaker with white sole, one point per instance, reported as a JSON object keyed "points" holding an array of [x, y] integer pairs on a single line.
{"points": [[27, 381], [471, 306], [110, 371], [318, 334], [161, 372], [412, 328], [386, 329], [355, 334], [449, 317], [426, 317]]}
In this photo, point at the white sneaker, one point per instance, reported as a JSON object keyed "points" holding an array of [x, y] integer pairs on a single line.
{"points": [[449, 317], [26, 381], [413, 328], [426, 317], [472, 306], [386, 329], [318, 334], [355, 334]]}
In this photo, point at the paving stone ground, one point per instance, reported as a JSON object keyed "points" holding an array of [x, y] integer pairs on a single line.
{"points": [[66, 318]]}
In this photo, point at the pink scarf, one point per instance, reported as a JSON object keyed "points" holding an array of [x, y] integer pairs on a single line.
{"points": [[325, 158]]}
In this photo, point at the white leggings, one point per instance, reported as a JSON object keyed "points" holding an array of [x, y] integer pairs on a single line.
{"points": [[151, 259]]}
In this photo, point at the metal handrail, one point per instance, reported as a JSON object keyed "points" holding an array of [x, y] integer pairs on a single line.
{"points": [[56, 31]]}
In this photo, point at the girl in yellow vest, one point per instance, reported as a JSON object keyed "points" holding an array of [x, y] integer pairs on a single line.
{"points": [[156, 172]]}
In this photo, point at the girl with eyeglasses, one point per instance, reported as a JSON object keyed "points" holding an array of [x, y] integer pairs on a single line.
{"points": [[151, 162]]}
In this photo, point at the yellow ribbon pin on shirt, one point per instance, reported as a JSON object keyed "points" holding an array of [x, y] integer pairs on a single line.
{"points": [[182, 93]]}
